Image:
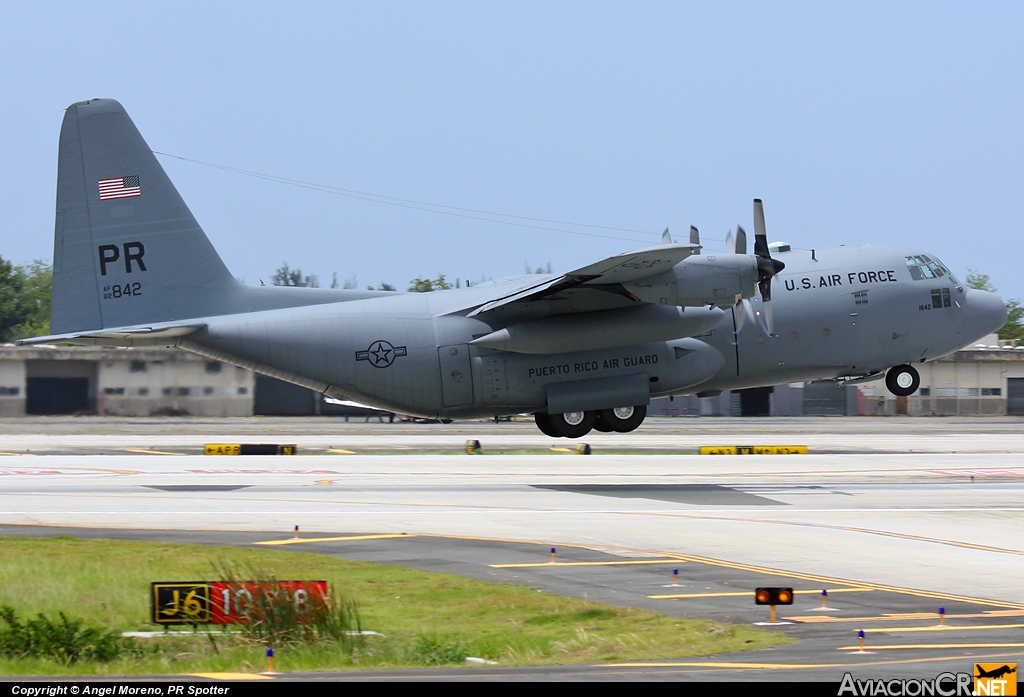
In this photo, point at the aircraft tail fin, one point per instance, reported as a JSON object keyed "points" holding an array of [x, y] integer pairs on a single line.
{"points": [[127, 250]]}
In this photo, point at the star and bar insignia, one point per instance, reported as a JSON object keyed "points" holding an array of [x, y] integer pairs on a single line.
{"points": [[381, 354]]}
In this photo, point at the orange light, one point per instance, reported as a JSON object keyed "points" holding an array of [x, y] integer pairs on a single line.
{"points": [[763, 596], [785, 597]]}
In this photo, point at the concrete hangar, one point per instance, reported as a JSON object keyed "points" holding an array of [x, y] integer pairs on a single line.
{"points": [[143, 382], [986, 379]]}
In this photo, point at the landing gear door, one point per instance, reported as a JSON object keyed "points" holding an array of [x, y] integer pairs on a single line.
{"points": [[456, 375]]}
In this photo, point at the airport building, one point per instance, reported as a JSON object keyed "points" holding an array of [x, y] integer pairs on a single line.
{"points": [[987, 379]]}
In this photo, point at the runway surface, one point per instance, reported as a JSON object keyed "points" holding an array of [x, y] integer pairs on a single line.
{"points": [[939, 526]]}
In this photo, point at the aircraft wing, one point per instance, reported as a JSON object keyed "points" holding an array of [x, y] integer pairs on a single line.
{"points": [[154, 334], [605, 276]]}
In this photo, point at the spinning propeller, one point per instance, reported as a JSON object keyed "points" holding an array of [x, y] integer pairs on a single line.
{"points": [[767, 268]]}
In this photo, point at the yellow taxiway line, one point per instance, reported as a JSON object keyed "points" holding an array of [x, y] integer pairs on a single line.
{"points": [[341, 451], [829, 580], [944, 628], [230, 676], [744, 594], [303, 540], [887, 647], [811, 619], [786, 666], [585, 563]]}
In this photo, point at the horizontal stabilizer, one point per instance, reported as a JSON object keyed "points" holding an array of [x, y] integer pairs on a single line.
{"points": [[156, 334]]}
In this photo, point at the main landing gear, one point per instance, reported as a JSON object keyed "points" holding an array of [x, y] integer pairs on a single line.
{"points": [[576, 424], [903, 380]]}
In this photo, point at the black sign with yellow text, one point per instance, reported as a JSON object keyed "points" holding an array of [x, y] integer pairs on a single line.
{"points": [[180, 602]]}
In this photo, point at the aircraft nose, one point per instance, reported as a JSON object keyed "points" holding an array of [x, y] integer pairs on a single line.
{"points": [[983, 313]]}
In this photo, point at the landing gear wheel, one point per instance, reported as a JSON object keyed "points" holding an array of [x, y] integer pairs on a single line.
{"points": [[624, 419], [572, 424], [600, 425], [903, 380], [544, 424]]}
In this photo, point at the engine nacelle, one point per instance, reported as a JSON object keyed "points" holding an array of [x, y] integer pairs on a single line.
{"points": [[719, 281]]}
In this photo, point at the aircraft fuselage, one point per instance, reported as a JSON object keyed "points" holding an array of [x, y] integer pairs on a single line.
{"points": [[839, 311]]}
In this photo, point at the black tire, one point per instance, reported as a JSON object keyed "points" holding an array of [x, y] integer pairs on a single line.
{"points": [[544, 424], [627, 419], [903, 380], [574, 424], [600, 425]]}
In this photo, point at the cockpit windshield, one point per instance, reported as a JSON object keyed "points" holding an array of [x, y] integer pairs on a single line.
{"points": [[922, 266]]}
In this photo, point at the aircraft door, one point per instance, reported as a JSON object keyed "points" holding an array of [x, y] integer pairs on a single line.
{"points": [[456, 375]]}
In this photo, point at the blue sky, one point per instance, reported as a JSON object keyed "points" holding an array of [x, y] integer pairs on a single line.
{"points": [[866, 123]]}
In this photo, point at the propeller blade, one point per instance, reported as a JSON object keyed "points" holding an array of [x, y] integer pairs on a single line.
{"points": [[760, 235], [665, 237], [745, 311], [694, 236], [767, 268], [729, 246], [741, 240], [769, 319]]}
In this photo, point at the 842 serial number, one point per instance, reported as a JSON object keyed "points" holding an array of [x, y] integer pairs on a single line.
{"points": [[122, 291]]}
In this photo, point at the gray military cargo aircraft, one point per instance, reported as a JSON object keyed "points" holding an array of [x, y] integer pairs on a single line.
{"points": [[583, 350]]}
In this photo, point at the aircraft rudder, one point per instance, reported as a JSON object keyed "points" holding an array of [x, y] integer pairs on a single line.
{"points": [[127, 250]]}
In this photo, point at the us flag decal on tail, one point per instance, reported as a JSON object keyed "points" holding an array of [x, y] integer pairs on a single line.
{"points": [[119, 187]]}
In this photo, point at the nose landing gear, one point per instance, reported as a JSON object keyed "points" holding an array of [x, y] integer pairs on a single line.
{"points": [[903, 380]]}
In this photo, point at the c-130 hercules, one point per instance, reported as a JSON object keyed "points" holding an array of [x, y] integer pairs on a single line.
{"points": [[581, 350]]}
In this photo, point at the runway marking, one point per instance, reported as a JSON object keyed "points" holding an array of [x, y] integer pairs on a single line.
{"points": [[341, 451], [815, 619], [303, 540], [150, 452], [583, 563], [230, 676], [895, 647], [745, 594]]}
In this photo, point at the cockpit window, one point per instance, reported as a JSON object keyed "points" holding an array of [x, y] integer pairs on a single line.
{"points": [[921, 266]]}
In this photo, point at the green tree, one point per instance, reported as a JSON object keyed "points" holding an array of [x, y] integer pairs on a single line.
{"points": [[425, 285], [285, 276], [24, 299], [1014, 327]]}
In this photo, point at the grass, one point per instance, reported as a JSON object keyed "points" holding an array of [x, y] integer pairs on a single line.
{"points": [[426, 618]]}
